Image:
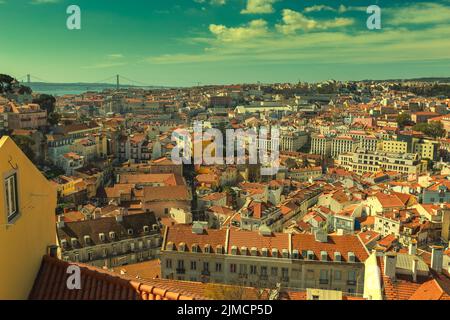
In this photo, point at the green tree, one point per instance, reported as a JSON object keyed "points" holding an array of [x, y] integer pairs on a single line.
{"points": [[403, 119], [5, 83], [434, 129], [25, 143], [47, 102], [53, 118]]}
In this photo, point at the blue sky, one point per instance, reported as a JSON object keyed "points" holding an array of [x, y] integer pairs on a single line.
{"points": [[182, 42]]}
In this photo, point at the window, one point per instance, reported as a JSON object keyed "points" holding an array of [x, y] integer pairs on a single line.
{"points": [[264, 271], [206, 266], [337, 275], [274, 271], [284, 273], [252, 269], [218, 267], [233, 268], [180, 264], [243, 269], [193, 265], [11, 197], [169, 263], [352, 276]]}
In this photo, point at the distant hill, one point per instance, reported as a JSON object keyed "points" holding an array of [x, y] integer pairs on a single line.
{"points": [[425, 79], [77, 88]]}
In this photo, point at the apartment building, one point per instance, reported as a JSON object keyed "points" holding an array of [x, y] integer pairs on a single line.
{"points": [[405, 225], [343, 144], [361, 161], [70, 162], [321, 144], [134, 148], [110, 241], [27, 221], [437, 193], [28, 116], [425, 148], [264, 259], [292, 141], [304, 174]]}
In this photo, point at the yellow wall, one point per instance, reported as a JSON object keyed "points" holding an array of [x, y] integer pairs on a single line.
{"points": [[23, 244], [395, 146]]}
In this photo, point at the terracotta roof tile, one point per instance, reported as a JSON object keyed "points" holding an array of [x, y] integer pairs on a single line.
{"points": [[96, 284]]}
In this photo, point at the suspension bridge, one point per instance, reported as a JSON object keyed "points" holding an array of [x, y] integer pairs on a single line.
{"points": [[116, 80]]}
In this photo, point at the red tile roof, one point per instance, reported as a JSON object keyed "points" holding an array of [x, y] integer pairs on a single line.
{"points": [[96, 284]]}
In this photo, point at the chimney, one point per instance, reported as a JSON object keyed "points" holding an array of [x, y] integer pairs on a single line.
{"points": [[415, 263], [436, 258], [390, 265], [119, 218], [412, 249]]}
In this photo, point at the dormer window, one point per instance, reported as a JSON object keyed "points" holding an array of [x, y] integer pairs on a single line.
{"points": [[73, 242], [274, 253], [207, 248], [195, 248], [112, 235], [130, 232], [264, 252], [146, 229], [87, 240], [102, 237], [64, 243]]}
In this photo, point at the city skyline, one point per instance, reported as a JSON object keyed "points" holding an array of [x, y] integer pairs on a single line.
{"points": [[183, 43]]}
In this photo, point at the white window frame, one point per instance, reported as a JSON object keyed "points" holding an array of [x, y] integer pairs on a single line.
{"points": [[11, 196]]}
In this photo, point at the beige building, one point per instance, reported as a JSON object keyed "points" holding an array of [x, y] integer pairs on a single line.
{"points": [[362, 161], [110, 241], [264, 259], [321, 145], [27, 117]]}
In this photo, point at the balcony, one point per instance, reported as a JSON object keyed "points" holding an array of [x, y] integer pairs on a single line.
{"points": [[324, 281], [351, 282], [181, 271]]}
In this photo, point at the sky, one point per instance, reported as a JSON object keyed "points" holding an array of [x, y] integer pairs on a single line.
{"points": [[186, 42]]}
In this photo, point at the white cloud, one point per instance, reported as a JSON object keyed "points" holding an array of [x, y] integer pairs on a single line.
{"points": [[294, 21], [318, 8], [259, 7], [420, 13], [254, 29], [213, 2], [327, 42]]}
